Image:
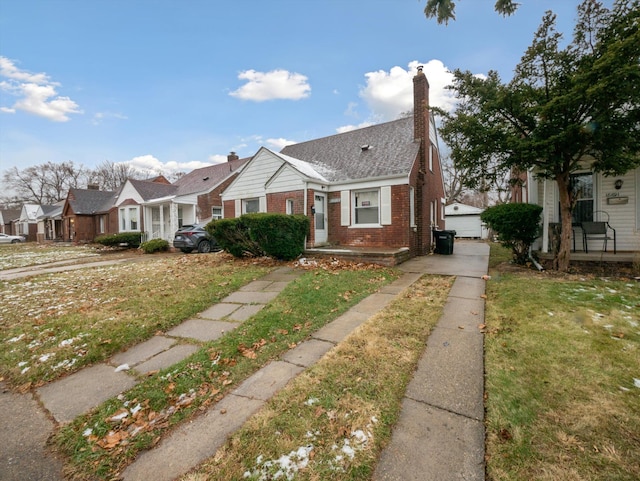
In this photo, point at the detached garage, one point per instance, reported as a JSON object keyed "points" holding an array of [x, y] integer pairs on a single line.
{"points": [[465, 220]]}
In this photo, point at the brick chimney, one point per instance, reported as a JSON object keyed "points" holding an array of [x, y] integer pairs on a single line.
{"points": [[232, 156], [420, 106]]}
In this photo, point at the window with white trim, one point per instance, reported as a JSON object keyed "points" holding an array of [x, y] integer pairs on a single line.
{"points": [[102, 224], [250, 206], [431, 157], [129, 219], [216, 213], [290, 206], [366, 207]]}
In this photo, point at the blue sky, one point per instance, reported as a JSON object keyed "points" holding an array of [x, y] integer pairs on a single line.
{"points": [[177, 85]]}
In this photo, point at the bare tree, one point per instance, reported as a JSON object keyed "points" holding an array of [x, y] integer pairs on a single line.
{"points": [[45, 183], [111, 175]]}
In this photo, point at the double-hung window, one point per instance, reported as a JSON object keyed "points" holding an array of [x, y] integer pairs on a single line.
{"points": [[582, 189], [366, 204], [216, 213], [129, 219]]}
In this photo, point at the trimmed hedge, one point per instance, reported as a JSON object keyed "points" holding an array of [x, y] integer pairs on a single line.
{"points": [[154, 245], [280, 236], [517, 225], [131, 239]]}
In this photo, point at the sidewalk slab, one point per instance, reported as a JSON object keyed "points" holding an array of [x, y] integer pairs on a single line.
{"points": [[374, 303], [267, 381], [218, 311], [167, 358], [430, 444], [450, 374], [308, 353], [255, 286], [341, 327], [142, 352], [400, 284], [282, 274], [202, 329], [464, 314], [245, 312], [78, 393], [192, 443], [26, 429], [250, 297]]}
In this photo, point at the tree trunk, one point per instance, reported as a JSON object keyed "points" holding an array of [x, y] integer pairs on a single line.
{"points": [[561, 261]]}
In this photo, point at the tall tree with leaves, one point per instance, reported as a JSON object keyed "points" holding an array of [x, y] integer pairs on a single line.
{"points": [[445, 10], [564, 109]]}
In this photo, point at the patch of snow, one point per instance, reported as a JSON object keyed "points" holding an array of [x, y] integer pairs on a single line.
{"points": [[636, 382], [122, 367]]}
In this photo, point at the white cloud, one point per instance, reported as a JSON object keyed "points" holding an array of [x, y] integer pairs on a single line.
{"points": [[150, 164], [277, 84], [217, 159], [388, 94], [348, 128], [279, 144], [36, 93], [99, 117]]}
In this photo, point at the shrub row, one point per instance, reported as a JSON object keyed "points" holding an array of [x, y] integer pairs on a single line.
{"points": [[154, 245], [277, 235], [131, 239]]}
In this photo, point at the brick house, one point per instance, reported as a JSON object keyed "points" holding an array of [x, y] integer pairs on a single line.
{"points": [[87, 214], [380, 186]]}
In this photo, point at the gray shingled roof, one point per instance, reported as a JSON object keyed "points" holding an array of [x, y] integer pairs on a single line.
{"points": [[206, 178], [90, 201], [392, 151], [153, 190]]}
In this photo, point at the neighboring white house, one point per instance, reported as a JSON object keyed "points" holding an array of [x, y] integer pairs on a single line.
{"points": [[615, 199], [465, 220]]}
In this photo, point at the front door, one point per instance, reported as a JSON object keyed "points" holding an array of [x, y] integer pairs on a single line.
{"points": [[320, 219]]}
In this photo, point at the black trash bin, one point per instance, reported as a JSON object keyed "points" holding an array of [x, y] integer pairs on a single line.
{"points": [[444, 241]]}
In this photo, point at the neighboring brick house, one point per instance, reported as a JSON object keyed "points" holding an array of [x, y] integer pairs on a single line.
{"points": [[87, 214], [380, 186], [208, 182]]}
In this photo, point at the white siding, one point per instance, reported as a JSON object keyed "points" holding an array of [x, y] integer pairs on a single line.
{"points": [[251, 181], [128, 192], [285, 180], [622, 217]]}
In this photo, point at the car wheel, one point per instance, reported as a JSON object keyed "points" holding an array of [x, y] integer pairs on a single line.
{"points": [[15, 241], [204, 247], [186, 251]]}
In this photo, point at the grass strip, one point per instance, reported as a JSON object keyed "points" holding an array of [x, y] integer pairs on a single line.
{"points": [[101, 444], [54, 324], [562, 360], [333, 420]]}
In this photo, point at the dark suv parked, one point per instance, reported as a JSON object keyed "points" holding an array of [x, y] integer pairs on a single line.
{"points": [[190, 237]]}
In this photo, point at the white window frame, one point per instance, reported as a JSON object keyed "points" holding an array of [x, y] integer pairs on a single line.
{"points": [[102, 222], [354, 209], [217, 216], [246, 201], [127, 216], [290, 206]]}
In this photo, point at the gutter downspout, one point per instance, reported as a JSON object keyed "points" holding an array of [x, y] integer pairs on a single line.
{"points": [[535, 262]]}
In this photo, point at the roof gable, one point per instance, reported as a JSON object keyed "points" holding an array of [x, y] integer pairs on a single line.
{"points": [[208, 178]]}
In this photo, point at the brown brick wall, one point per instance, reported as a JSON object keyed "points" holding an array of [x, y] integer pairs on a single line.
{"points": [[212, 199]]}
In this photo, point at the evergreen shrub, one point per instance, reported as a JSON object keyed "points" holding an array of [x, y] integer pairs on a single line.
{"points": [[517, 226]]}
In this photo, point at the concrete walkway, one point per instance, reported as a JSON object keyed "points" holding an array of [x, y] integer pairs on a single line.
{"points": [[440, 434]]}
